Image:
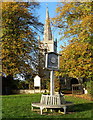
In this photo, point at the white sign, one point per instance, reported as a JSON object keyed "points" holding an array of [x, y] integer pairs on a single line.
{"points": [[37, 81]]}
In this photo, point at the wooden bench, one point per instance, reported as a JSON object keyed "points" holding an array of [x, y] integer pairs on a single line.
{"points": [[54, 101]]}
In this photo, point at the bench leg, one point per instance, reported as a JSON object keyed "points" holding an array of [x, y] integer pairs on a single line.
{"points": [[32, 109], [64, 110], [41, 109], [59, 111], [51, 110], [46, 109]]}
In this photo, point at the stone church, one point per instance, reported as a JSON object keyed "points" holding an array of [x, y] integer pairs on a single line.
{"points": [[51, 46], [48, 44], [48, 40]]}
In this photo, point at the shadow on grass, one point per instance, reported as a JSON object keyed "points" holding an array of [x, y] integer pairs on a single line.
{"points": [[81, 107], [78, 108], [71, 109]]}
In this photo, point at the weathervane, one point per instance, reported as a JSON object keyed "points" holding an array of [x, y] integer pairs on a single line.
{"points": [[46, 4]]}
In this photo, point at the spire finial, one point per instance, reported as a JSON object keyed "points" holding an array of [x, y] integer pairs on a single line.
{"points": [[47, 4], [47, 7], [47, 27]]}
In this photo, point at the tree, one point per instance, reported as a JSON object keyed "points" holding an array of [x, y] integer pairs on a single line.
{"points": [[41, 71], [19, 40], [76, 61], [76, 20]]}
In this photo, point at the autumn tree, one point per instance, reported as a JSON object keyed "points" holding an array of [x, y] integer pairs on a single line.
{"points": [[75, 21], [19, 40], [76, 61]]}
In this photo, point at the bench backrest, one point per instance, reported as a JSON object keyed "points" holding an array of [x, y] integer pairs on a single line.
{"points": [[52, 100]]}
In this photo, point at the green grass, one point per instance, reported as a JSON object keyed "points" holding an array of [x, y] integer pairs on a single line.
{"points": [[19, 106]]}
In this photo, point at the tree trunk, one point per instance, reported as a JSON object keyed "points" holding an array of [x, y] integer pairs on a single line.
{"points": [[29, 86], [8, 84]]}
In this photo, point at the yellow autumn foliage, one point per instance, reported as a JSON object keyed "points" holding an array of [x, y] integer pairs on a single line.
{"points": [[18, 39], [75, 21]]}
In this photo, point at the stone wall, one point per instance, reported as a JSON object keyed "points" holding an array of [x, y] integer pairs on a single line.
{"points": [[29, 91]]}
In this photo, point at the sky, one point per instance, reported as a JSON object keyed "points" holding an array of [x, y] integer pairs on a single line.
{"points": [[51, 6], [52, 12]]}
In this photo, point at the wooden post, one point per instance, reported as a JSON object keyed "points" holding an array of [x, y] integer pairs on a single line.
{"points": [[52, 82]]}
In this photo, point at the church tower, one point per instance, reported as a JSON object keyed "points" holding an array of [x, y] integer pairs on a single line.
{"points": [[48, 40]]}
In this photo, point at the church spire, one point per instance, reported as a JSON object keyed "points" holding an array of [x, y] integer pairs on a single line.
{"points": [[47, 28]]}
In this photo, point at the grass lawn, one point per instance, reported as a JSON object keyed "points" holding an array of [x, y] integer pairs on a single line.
{"points": [[19, 106]]}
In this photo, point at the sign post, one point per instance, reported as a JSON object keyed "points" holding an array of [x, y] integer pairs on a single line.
{"points": [[52, 64], [52, 82]]}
